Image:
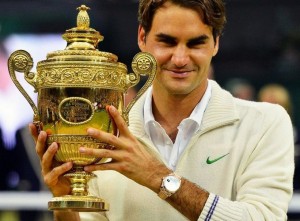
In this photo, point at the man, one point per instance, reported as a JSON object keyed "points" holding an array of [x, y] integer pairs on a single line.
{"points": [[225, 158]]}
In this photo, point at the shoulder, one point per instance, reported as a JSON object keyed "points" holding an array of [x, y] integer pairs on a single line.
{"points": [[261, 112], [245, 106], [259, 107], [223, 107]]}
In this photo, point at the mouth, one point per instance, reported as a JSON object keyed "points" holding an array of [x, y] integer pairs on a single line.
{"points": [[179, 73]]}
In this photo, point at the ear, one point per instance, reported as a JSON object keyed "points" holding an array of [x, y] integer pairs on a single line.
{"points": [[216, 48], [141, 38]]}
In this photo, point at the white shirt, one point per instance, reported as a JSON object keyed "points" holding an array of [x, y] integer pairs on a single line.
{"points": [[187, 127]]}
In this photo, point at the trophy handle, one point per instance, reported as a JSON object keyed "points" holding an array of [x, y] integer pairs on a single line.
{"points": [[22, 62], [143, 64]]}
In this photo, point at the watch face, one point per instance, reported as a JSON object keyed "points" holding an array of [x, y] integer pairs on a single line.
{"points": [[171, 183]]}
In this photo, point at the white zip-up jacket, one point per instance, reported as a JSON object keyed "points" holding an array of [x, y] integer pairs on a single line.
{"points": [[243, 155]]}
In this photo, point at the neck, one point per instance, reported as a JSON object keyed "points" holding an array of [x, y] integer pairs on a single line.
{"points": [[169, 109]]}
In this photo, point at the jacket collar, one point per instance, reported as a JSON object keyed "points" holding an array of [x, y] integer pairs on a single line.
{"points": [[221, 110]]}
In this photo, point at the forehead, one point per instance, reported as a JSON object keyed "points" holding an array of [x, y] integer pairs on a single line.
{"points": [[181, 19]]}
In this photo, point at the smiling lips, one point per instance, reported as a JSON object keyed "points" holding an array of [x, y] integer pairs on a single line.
{"points": [[179, 73]]}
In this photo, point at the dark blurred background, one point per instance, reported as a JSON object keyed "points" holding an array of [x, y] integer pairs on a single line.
{"points": [[260, 46], [261, 39]]}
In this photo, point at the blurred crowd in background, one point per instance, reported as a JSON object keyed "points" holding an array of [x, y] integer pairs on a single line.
{"points": [[259, 60]]}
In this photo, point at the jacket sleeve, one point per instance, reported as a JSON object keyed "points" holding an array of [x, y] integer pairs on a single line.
{"points": [[264, 188]]}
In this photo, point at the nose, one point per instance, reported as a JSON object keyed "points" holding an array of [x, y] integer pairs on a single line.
{"points": [[180, 56]]}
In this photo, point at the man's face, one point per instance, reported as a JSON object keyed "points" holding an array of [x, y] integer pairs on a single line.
{"points": [[183, 47]]}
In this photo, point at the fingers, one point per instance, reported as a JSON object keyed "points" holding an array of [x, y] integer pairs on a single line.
{"points": [[52, 172], [33, 131], [110, 138], [41, 144], [51, 178], [101, 153], [103, 166], [47, 155], [107, 138], [47, 158], [119, 121], [114, 126]]}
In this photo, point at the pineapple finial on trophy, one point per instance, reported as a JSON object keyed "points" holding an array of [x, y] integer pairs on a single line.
{"points": [[82, 36], [83, 20]]}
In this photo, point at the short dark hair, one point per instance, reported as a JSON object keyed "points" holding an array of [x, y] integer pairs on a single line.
{"points": [[212, 12]]}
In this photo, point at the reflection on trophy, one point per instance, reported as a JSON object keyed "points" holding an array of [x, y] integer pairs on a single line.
{"points": [[74, 86]]}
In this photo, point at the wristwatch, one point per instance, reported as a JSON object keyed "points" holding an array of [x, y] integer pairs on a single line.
{"points": [[169, 185]]}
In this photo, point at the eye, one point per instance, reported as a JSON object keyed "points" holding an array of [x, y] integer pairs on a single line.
{"points": [[196, 42], [193, 44], [166, 40], [169, 42]]}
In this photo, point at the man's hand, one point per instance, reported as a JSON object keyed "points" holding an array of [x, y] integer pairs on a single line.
{"points": [[52, 171], [129, 157]]}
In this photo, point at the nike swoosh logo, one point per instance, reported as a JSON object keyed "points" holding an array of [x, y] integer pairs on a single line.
{"points": [[211, 161]]}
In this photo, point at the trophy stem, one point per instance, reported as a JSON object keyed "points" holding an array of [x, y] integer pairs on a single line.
{"points": [[79, 179], [79, 200]]}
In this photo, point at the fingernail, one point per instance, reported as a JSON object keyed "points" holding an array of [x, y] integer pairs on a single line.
{"points": [[112, 108], [69, 164], [53, 146], [42, 134], [86, 168], [91, 131], [82, 150]]}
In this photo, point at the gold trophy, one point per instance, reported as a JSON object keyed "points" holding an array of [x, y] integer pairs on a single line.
{"points": [[74, 86]]}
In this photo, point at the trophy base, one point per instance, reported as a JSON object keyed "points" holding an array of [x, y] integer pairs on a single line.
{"points": [[78, 203]]}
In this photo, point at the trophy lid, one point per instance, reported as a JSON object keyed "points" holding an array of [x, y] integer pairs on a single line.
{"points": [[81, 56], [76, 37], [83, 38]]}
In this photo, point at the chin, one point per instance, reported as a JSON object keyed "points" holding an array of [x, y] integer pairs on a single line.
{"points": [[178, 91]]}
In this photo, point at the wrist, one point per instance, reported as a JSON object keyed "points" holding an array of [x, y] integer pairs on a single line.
{"points": [[170, 184], [156, 179]]}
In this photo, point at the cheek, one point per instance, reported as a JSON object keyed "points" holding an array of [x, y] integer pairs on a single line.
{"points": [[202, 57], [162, 55]]}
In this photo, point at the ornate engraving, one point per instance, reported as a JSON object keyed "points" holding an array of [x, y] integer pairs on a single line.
{"points": [[69, 145], [143, 63], [97, 55], [82, 76], [71, 139], [75, 110], [22, 61], [85, 75]]}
